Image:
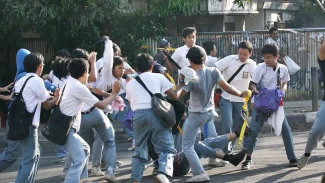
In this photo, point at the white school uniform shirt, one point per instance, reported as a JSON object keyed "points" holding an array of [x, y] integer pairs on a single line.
{"points": [[179, 56], [74, 97], [211, 61], [55, 80], [266, 77], [123, 85], [34, 94], [139, 97], [228, 66]]}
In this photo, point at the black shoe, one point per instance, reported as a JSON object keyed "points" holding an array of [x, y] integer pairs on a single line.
{"points": [[235, 159], [247, 165], [293, 163]]}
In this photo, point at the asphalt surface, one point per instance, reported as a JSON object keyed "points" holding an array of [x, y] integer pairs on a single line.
{"points": [[269, 158]]}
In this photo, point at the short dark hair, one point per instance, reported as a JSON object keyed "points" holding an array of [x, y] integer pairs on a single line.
{"points": [[143, 62], [62, 53], [246, 45], [79, 53], [188, 31], [77, 67], [272, 30], [116, 48], [208, 46], [196, 55], [270, 48], [32, 61], [117, 61], [60, 67]]}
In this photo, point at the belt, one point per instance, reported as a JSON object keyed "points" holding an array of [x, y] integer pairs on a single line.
{"points": [[89, 111]]}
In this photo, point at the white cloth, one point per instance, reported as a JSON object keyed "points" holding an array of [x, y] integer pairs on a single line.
{"points": [[276, 120], [74, 97], [55, 80], [270, 41], [211, 61], [34, 94], [267, 77], [127, 66], [106, 73], [228, 66], [139, 97], [179, 56], [190, 75]]}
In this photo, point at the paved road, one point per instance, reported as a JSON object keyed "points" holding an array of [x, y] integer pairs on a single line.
{"points": [[270, 165]]}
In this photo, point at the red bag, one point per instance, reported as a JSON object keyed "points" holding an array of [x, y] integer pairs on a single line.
{"points": [[217, 96]]}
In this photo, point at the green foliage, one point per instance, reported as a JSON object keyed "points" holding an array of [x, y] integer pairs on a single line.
{"points": [[173, 8], [307, 15], [242, 3], [80, 23]]}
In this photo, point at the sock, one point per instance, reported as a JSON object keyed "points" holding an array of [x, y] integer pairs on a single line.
{"points": [[248, 158], [237, 133], [307, 154]]}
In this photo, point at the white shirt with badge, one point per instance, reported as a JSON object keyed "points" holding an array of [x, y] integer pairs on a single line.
{"points": [[266, 76], [139, 97], [228, 66], [34, 94], [179, 56], [74, 97]]}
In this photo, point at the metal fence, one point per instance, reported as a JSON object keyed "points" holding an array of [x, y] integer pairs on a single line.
{"points": [[300, 48]]}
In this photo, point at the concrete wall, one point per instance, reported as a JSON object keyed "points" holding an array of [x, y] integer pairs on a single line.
{"points": [[228, 7], [204, 22]]}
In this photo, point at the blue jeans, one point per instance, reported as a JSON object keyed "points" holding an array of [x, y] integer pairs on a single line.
{"points": [[31, 157], [61, 151], [209, 129], [120, 116], [257, 121], [99, 121], [79, 152], [146, 125], [10, 154], [316, 132], [230, 115], [191, 127], [231, 119]]}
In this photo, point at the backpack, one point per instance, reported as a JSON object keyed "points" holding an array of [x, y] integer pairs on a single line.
{"points": [[19, 119]]}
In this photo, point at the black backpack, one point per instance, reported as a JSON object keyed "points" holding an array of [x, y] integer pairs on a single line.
{"points": [[19, 119]]}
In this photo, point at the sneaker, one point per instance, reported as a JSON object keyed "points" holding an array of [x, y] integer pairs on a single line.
{"points": [[213, 162], [247, 165], [119, 163], [155, 171], [63, 175], [131, 148], [199, 178], [235, 159], [96, 172], [303, 161], [293, 163], [60, 160], [110, 178], [161, 178]]}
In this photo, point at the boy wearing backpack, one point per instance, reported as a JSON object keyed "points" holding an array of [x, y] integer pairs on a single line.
{"points": [[35, 95]]}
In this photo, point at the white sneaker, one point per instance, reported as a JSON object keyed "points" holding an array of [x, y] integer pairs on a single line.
{"points": [[213, 162], [63, 175], [161, 178], [110, 178], [60, 160], [96, 172], [302, 161], [199, 178]]}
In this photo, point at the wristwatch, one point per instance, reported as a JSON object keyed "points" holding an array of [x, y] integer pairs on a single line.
{"points": [[181, 81]]}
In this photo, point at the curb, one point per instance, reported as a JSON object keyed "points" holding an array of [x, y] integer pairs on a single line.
{"points": [[296, 121]]}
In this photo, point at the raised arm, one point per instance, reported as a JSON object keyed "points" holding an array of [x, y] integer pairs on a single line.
{"points": [[321, 53], [107, 65]]}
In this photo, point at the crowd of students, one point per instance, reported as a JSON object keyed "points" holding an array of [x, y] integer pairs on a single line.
{"points": [[89, 88]]}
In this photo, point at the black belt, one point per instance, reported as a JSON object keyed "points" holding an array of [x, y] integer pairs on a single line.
{"points": [[89, 111]]}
